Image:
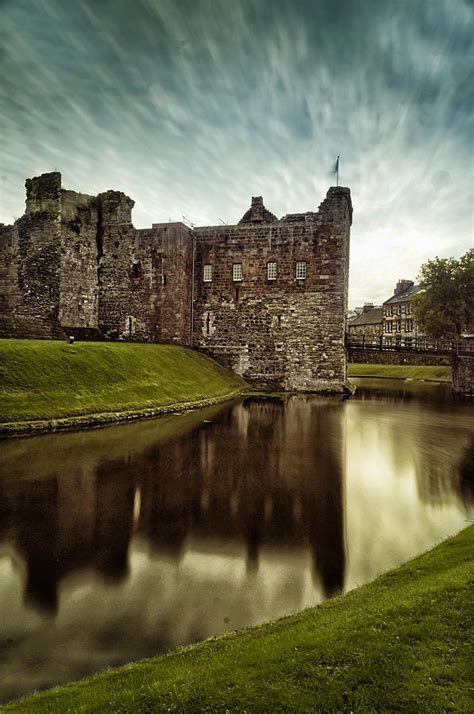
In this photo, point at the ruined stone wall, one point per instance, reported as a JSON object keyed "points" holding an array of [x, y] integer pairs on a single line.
{"points": [[79, 287], [115, 252], [144, 276], [286, 333], [10, 294], [32, 252], [163, 259], [463, 374]]}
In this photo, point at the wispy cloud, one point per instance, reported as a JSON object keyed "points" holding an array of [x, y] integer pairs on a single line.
{"points": [[192, 106]]}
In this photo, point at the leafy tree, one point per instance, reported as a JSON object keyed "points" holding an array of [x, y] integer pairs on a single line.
{"points": [[444, 307]]}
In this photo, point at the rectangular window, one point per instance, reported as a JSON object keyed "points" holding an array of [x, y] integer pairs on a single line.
{"points": [[388, 327], [408, 325], [207, 273], [237, 274], [409, 308], [399, 325], [399, 309], [271, 271], [301, 270], [388, 310]]}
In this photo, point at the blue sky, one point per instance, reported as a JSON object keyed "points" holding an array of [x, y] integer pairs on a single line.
{"points": [[193, 106]]}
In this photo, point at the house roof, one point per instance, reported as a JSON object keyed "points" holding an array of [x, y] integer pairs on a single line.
{"points": [[403, 295], [369, 317]]}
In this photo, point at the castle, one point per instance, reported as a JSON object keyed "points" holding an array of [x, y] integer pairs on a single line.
{"points": [[266, 297]]}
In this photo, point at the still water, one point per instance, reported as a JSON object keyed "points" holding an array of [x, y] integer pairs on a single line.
{"points": [[125, 542]]}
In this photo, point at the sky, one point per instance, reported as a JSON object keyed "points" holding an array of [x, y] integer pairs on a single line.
{"points": [[193, 106]]}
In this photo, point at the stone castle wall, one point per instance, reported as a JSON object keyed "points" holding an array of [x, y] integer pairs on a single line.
{"points": [[75, 264], [284, 333]]}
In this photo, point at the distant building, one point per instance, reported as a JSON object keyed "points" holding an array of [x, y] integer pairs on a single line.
{"points": [[368, 322], [398, 311]]}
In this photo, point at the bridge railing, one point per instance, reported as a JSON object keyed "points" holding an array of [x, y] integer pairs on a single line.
{"points": [[401, 343]]}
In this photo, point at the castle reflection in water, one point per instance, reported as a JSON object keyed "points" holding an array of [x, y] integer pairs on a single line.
{"points": [[261, 475]]}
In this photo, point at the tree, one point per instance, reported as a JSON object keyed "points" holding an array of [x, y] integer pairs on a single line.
{"points": [[444, 306]]}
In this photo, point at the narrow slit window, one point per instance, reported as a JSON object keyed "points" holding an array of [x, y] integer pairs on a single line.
{"points": [[271, 271], [207, 273], [237, 273], [137, 269], [301, 270]]}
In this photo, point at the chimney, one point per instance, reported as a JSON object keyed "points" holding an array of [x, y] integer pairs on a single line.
{"points": [[368, 306], [402, 285]]}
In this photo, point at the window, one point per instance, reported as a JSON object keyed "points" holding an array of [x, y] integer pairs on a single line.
{"points": [[408, 325], [399, 309], [408, 308], [137, 269], [388, 327], [207, 273], [399, 325], [301, 270], [388, 311], [271, 271], [237, 273]]}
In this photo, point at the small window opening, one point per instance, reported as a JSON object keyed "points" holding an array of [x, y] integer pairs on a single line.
{"points": [[137, 269], [237, 294], [163, 280], [208, 322], [207, 273], [279, 320], [129, 325], [237, 272], [271, 271], [301, 270]]}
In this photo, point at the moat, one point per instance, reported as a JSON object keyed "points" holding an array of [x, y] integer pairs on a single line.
{"points": [[124, 542]]}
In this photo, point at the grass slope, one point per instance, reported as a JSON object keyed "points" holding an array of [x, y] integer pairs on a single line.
{"points": [[44, 379], [400, 644], [400, 371]]}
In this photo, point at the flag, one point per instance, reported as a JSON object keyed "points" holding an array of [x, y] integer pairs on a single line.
{"points": [[336, 166]]}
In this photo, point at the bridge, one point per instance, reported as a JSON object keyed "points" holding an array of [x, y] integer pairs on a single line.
{"points": [[460, 352], [410, 345]]}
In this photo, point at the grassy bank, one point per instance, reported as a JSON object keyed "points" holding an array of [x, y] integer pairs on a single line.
{"points": [[49, 380], [400, 644], [400, 371]]}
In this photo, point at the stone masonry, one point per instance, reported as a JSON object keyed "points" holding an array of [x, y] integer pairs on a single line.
{"points": [[266, 297]]}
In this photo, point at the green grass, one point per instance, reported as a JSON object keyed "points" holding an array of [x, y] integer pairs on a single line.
{"points": [[44, 380], [403, 643], [400, 371]]}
